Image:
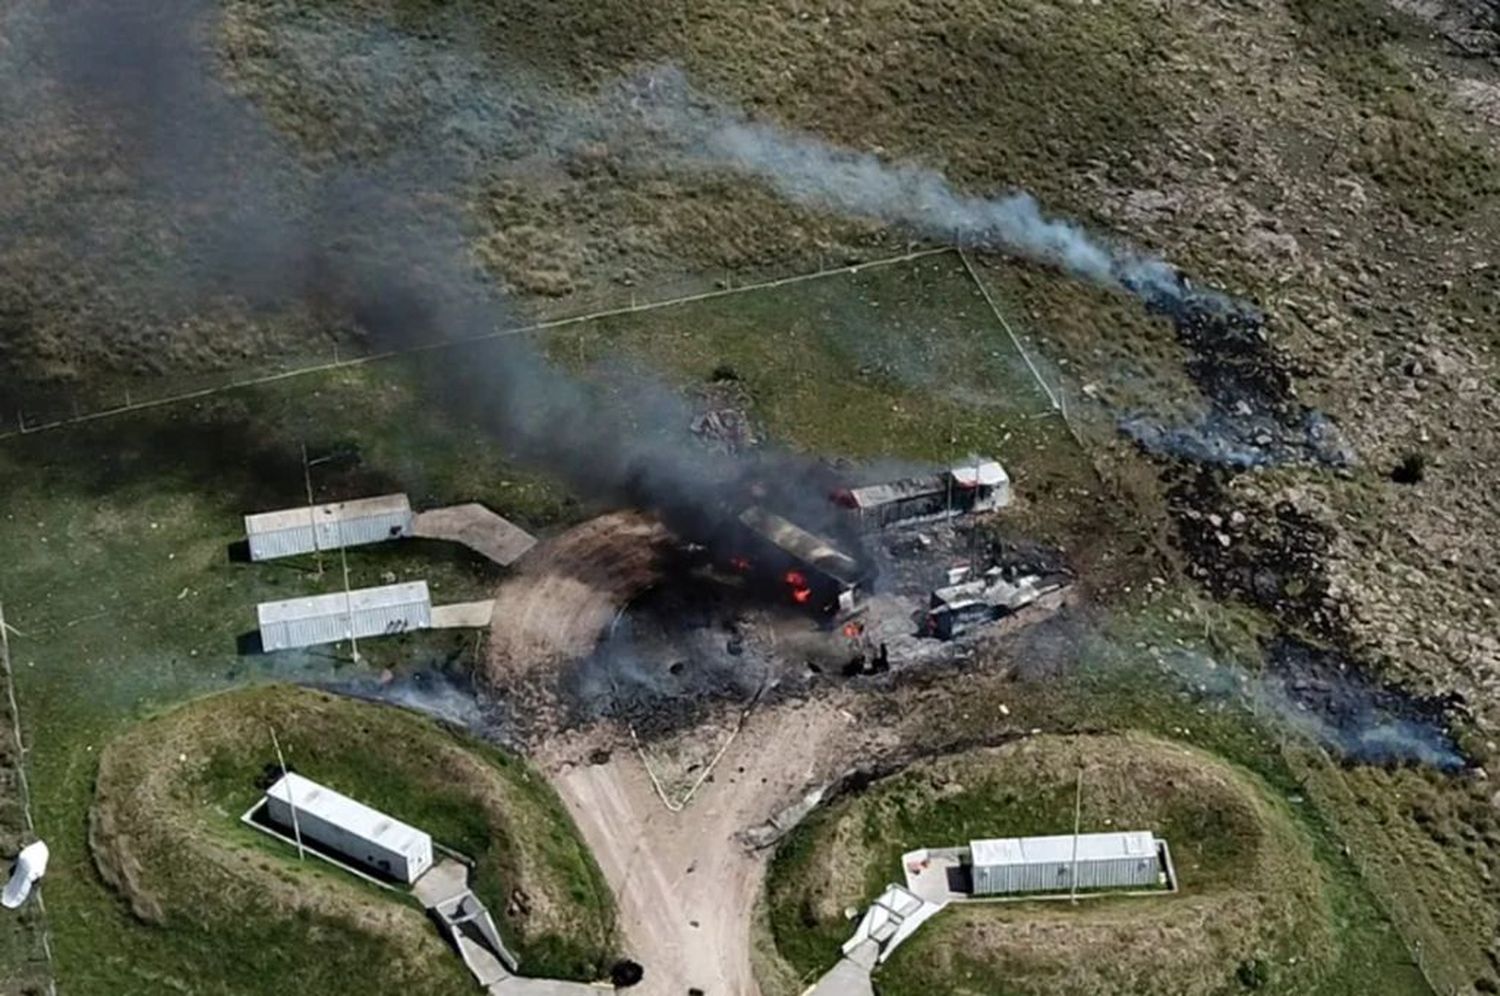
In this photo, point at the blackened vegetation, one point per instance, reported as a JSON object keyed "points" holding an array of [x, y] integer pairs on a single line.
{"points": [[1341, 705], [1253, 417], [1272, 558], [1275, 557], [669, 659]]}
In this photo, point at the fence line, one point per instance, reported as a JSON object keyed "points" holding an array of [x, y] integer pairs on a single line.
{"points": [[1056, 398], [1014, 339], [25, 786], [543, 326]]}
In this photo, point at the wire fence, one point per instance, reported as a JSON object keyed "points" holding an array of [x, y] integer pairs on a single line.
{"points": [[1049, 382], [15, 420], [1313, 764]]}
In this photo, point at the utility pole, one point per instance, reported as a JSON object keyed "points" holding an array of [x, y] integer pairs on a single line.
{"points": [[311, 515], [348, 598], [338, 525], [291, 795], [1077, 820]]}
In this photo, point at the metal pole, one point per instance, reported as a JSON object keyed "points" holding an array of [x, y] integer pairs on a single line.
{"points": [[348, 598], [311, 516], [1077, 819], [291, 796]]}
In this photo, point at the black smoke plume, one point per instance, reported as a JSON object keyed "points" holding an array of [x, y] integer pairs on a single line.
{"points": [[378, 245]]}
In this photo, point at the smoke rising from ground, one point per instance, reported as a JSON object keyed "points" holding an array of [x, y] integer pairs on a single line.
{"points": [[429, 692], [811, 171], [1327, 704]]}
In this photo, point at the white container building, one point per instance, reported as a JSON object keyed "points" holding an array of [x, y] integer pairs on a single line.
{"points": [[363, 612], [310, 528], [350, 829], [1045, 864], [978, 485]]}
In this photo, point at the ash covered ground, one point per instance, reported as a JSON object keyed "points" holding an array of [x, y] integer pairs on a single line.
{"points": [[687, 640]]}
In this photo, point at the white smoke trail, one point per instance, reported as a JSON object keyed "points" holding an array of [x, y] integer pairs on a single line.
{"points": [[816, 173]]}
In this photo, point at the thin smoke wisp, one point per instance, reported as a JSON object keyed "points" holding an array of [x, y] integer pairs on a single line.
{"points": [[816, 173]]}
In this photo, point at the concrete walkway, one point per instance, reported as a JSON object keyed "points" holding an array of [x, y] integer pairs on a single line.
{"points": [[463, 615], [444, 890], [477, 528], [851, 976], [889, 920]]}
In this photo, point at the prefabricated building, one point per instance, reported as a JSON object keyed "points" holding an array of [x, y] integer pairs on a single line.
{"points": [[980, 485], [363, 612], [815, 572], [1043, 864], [290, 531], [350, 829]]}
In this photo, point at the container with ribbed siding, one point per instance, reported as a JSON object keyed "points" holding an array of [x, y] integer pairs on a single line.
{"points": [[350, 829], [290, 531], [1045, 864], [363, 612]]}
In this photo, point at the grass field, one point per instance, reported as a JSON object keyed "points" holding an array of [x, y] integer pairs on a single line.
{"points": [[118, 580], [164, 830], [1259, 908]]}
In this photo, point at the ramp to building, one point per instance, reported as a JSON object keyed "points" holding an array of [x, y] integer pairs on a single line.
{"points": [[477, 528], [463, 615], [889, 920], [466, 922], [851, 976]]}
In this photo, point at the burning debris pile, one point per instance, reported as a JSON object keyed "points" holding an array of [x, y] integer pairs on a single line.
{"points": [[650, 621], [816, 574], [1253, 416]]}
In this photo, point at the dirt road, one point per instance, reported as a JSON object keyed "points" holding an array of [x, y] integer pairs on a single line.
{"points": [[684, 884]]}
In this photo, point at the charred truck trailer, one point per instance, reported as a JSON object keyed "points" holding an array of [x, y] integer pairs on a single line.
{"points": [[980, 485], [811, 570], [958, 608]]}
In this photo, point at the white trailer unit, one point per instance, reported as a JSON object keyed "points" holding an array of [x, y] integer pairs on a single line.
{"points": [[290, 531], [351, 830], [1045, 864], [361, 613], [980, 485]]}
